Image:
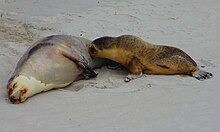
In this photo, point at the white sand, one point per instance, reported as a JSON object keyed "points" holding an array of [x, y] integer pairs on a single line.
{"points": [[107, 103]]}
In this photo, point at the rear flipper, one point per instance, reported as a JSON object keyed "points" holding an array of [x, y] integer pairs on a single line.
{"points": [[201, 75]]}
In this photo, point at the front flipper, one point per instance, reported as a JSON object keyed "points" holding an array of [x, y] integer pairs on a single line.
{"points": [[135, 70], [85, 76], [80, 61], [201, 75], [130, 77]]}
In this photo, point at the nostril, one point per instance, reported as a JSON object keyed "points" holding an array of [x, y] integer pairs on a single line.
{"points": [[12, 99]]}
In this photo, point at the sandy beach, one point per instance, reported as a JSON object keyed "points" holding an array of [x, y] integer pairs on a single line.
{"points": [[152, 103]]}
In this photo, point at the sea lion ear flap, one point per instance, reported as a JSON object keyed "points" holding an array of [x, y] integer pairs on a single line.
{"points": [[92, 50]]}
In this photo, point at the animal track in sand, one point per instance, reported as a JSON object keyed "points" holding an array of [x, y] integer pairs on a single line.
{"points": [[13, 30]]}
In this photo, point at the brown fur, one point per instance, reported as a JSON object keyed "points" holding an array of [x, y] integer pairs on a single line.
{"points": [[138, 55]]}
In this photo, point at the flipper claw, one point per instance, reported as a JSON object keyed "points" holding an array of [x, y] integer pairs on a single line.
{"points": [[202, 75]]}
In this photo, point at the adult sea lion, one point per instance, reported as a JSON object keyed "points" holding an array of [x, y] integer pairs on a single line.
{"points": [[140, 56], [52, 62]]}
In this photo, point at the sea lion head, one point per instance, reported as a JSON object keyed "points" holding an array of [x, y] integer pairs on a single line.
{"points": [[21, 87], [100, 45], [17, 92]]}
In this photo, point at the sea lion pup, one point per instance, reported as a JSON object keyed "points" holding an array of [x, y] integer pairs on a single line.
{"points": [[53, 62], [140, 56]]}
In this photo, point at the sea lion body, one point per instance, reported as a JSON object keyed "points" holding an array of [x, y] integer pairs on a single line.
{"points": [[140, 56], [53, 62]]}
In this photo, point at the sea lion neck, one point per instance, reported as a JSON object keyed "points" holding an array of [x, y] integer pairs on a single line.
{"points": [[105, 42]]}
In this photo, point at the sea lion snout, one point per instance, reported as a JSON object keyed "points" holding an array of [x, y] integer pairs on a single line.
{"points": [[16, 92]]}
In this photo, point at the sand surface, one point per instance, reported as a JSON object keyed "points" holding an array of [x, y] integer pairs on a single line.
{"points": [[107, 103]]}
